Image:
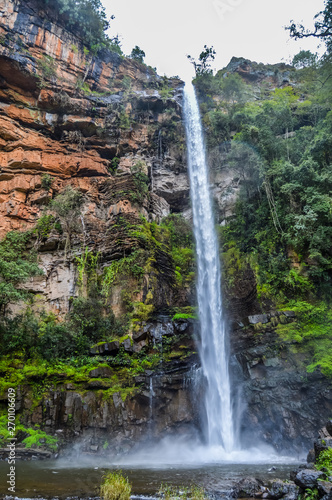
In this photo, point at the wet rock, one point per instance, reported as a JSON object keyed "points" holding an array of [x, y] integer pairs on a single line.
{"points": [[289, 314], [329, 427], [308, 478], [282, 489], [106, 348], [102, 372], [247, 487], [321, 445], [126, 344], [258, 318], [325, 488], [138, 346], [311, 456], [181, 326], [141, 334]]}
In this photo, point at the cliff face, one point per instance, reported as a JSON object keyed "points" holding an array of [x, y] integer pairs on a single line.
{"points": [[111, 128], [77, 118]]}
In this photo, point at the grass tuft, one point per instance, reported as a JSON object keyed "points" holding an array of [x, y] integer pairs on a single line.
{"points": [[115, 487]]}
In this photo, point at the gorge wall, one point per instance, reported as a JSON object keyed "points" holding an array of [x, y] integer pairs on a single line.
{"points": [[111, 128]]}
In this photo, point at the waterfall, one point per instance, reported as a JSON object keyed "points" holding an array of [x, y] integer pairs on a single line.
{"points": [[213, 346]]}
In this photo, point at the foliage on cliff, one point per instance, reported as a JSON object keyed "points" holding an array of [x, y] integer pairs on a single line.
{"points": [[272, 127], [280, 153], [86, 19], [17, 264]]}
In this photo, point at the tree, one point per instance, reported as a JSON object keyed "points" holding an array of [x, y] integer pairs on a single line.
{"points": [[137, 54], [322, 30], [232, 88], [85, 18], [304, 59], [203, 65]]}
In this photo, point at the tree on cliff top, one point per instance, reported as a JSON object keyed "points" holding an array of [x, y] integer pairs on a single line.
{"points": [[322, 30], [203, 64], [86, 19]]}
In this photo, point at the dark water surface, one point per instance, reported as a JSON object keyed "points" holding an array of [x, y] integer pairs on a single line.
{"points": [[59, 479]]}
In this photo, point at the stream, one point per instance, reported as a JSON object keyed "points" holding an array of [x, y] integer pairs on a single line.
{"points": [[61, 479]]}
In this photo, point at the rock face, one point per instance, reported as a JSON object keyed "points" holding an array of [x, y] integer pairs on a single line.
{"points": [[160, 405], [281, 398], [85, 121]]}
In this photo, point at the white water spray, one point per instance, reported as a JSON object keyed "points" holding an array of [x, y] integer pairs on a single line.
{"points": [[213, 350]]}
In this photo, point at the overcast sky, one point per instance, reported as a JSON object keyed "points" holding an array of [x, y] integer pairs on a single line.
{"points": [[168, 30]]}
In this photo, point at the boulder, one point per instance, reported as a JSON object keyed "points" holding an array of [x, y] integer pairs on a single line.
{"points": [[247, 487], [325, 488], [308, 478], [281, 489]]}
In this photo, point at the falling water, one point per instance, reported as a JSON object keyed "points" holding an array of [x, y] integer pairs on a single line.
{"points": [[213, 349]]}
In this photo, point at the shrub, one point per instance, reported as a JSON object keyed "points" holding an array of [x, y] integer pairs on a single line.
{"points": [[46, 181], [324, 461], [44, 226], [17, 264], [115, 487]]}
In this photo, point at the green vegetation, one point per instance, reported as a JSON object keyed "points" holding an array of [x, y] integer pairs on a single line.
{"points": [[67, 206], [324, 462], [169, 492], [203, 64], [141, 182], [47, 67], [31, 438], [87, 20], [46, 181], [115, 486], [310, 494], [137, 54], [158, 252], [17, 264]]}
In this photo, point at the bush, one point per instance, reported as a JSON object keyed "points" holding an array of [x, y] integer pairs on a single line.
{"points": [[324, 461], [17, 264], [115, 487]]}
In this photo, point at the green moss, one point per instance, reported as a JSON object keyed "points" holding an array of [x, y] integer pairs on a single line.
{"points": [[312, 330]]}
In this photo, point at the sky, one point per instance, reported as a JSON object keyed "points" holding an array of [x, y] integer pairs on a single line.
{"points": [[169, 30]]}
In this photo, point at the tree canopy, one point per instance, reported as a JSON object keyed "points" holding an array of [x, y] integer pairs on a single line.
{"points": [[203, 64], [86, 19]]}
